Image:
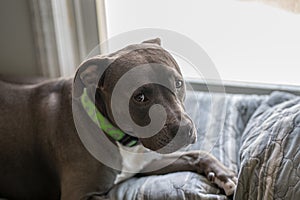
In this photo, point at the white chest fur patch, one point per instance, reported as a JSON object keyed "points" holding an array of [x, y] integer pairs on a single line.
{"points": [[134, 159]]}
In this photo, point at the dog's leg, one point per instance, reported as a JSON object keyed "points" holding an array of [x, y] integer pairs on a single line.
{"points": [[94, 196], [97, 198], [196, 161], [74, 193], [89, 184]]}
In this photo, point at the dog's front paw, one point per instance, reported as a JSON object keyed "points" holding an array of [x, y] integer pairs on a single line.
{"points": [[225, 181], [217, 173]]}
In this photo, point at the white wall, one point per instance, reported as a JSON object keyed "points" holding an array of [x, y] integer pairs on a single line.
{"points": [[17, 52], [249, 42]]}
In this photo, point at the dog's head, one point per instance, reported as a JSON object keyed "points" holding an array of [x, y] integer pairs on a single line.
{"points": [[114, 66]]}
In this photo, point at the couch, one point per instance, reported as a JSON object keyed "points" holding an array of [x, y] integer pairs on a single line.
{"points": [[257, 136]]}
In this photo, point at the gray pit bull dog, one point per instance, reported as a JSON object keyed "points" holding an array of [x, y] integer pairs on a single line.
{"points": [[42, 155]]}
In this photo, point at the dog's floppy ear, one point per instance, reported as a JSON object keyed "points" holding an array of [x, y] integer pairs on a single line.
{"points": [[153, 41], [89, 74]]}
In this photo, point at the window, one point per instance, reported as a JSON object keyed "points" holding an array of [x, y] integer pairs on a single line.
{"points": [[247, 41], [64, 33]]}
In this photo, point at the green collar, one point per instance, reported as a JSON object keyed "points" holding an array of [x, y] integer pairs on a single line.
{"points": [[104, 124]]}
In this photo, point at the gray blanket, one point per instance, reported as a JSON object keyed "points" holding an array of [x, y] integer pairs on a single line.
{"points": [[270, 151], [257, 136]]}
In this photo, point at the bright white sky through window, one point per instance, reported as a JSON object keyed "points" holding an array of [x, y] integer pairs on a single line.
{"points": [[249, 42]]}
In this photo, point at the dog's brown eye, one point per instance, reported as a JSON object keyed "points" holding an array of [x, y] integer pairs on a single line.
{"points": [[178, 84], [140, 97]]}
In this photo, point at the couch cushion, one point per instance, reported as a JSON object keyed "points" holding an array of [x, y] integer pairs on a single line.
{"points": [[270, 152]]}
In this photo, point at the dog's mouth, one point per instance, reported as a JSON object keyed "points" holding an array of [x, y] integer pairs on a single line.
{"points": [[165, 142]]}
